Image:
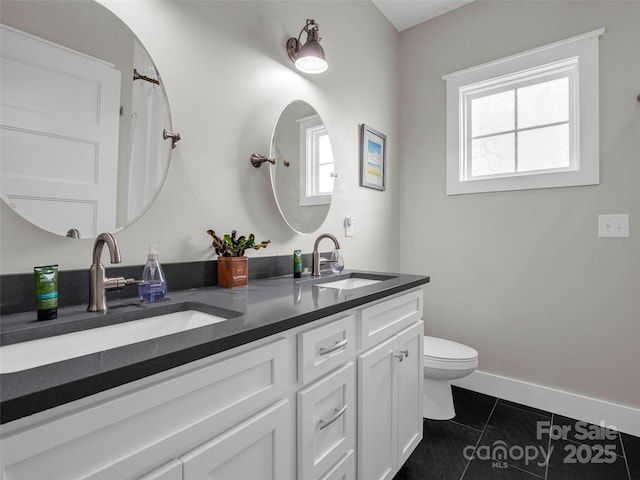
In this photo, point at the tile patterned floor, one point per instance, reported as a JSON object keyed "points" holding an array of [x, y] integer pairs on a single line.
{"points": [[492, 439]]}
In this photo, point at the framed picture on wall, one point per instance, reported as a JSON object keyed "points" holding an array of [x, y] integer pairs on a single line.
{"points": [[373, 157]]}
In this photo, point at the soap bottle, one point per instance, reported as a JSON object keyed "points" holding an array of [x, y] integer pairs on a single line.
{"points": [[153, 286], [336, 263]]}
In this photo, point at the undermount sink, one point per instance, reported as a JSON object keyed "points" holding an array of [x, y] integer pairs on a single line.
{"points": [[43, 351], [353, 280], [349, 283]]}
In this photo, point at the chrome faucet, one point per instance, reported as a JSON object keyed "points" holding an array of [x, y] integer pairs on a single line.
{"points": [[98, 283], [315, 269]]}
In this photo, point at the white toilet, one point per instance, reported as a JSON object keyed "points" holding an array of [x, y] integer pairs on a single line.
{"points": [[444, 361]]}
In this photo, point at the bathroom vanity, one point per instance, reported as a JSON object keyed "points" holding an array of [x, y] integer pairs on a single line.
{"points": [[317, 378]]}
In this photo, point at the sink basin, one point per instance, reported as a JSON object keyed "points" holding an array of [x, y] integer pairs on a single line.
{"points": [[43, 351], [349, 283], [352, 280]]}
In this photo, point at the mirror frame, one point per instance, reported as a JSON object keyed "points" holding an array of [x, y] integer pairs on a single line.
{"points": [[281, 163]]}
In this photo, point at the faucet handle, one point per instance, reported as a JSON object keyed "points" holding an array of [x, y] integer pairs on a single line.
{"points": [[326, 260], [118, 283]]}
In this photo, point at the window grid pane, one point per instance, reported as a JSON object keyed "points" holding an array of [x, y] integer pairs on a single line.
{"points": [[544, 148], [493, 155], [543, 103], [522, 129]]}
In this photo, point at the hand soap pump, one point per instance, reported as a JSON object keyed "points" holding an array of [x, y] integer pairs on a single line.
{"points": [[153, 286]]}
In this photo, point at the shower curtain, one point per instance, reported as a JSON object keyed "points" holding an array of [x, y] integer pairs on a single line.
{"points": [[149, 151]]}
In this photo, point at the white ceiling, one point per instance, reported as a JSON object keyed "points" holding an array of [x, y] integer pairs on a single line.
{"points": [[405, 14]]}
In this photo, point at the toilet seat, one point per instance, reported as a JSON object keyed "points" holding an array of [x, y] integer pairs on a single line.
{"points": [[441, 350]]}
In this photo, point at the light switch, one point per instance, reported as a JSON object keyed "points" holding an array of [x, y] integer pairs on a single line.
{"points": [[349, 226], [613, 225]]}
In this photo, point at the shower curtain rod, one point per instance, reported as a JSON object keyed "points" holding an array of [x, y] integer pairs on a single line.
{"points": [[137, 76]]}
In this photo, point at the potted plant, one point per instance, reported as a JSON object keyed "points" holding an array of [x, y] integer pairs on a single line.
{"points": [[233, 266]]}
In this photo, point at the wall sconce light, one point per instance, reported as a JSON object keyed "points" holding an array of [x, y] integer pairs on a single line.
{"points": [[308, 58]]}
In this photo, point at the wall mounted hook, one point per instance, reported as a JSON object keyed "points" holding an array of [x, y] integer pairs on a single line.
{"points": [[175, 137], [257, 160]]}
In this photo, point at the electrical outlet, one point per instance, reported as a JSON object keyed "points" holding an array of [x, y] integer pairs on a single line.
{"points": [[613, 225], [349, 226]]}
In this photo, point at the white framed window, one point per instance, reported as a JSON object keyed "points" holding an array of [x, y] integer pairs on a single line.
{"points": [[316, 172], [526, 121]]}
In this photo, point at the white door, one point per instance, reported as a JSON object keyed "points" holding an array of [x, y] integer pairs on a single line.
{"points": [[377, 406], [59, 135], [410, 398], [257, 449]]}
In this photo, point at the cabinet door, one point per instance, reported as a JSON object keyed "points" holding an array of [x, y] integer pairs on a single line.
{"points": [[377, 406], [326, 422], [410, 398], [170, 471], [257, 449]]}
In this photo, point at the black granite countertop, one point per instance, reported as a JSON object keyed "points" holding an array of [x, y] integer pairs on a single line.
{"points": [[266, 307]]}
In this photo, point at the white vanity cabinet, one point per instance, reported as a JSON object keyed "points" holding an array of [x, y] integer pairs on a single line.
{"points": [[213, 404], [390, 380], [335, 399]]}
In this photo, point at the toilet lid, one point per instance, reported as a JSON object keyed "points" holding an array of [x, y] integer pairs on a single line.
{"points": [[447, 350]]}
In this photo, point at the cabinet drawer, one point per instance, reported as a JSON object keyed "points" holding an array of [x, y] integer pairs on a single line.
{"points": [[345, 469], [120, 437], [325, 348], [386, 318], [326, 423]]}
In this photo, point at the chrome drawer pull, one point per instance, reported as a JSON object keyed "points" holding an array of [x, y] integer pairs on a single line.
{"points": [[336, 346], [337, 414]]}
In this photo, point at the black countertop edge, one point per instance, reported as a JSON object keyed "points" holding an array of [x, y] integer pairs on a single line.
{"points": [[22, 394]]}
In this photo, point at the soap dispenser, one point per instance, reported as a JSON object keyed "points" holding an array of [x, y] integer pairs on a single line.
{"points": [[153, 286], [336, 262]]}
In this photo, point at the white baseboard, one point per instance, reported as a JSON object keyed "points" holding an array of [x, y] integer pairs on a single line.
{"points": [[623, 418]]}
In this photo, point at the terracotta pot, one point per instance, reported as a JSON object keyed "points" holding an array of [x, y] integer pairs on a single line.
{"points": [[233, 271]]}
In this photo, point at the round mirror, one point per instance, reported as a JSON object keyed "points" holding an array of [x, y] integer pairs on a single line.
{"points": [[83, 115], [303, 174]]}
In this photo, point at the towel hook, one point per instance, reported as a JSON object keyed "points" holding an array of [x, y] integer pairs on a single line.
{"points": [[175, 137], [257, 160]]}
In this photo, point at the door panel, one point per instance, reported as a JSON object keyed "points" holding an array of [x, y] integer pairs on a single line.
{"points": [[59, 134], [410, 384], [377, 403], [258, 448]]}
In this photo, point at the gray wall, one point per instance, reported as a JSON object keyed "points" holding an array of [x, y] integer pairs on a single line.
{"points": [[227, 76], [522, 276]]}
